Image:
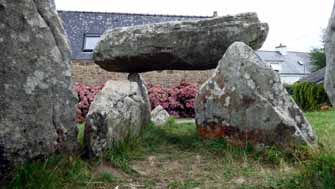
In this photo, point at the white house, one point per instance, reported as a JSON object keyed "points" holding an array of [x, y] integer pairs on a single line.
{"points": [[291, 65]]}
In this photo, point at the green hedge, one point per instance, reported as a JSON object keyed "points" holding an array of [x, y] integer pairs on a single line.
{"points": [[309, 96], [289, 88]]}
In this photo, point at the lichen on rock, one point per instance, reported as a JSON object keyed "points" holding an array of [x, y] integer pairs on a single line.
{"points": [[187, 45], [119, 112], [37, 103], [245, 101]]}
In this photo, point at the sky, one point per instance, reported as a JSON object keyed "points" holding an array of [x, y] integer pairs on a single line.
{"points": [[298, 24]]}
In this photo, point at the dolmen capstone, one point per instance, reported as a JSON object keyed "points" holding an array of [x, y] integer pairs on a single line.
{"points": [[330, 58], [159, 116], [245, 101], [37, 102], [187, 45], [119, 112]]}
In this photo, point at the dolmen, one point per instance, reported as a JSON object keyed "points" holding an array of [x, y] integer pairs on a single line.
{"points": [[243, 100], [121, 110]]}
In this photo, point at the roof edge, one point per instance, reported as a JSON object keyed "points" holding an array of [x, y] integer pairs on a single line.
{"points": [[287, 51], [134, 14], [290, 74]]}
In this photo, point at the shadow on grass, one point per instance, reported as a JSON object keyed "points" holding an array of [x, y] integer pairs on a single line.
{"points": [[184, 137], [315, 170]]}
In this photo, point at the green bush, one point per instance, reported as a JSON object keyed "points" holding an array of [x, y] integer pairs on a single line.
{"points": [[309, 96], [289, 88]]}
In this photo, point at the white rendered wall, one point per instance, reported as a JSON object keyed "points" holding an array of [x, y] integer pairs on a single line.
{"points": [[290, 79]]}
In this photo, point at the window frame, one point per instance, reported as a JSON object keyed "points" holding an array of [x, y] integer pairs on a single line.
{"points": [[87, 35]]}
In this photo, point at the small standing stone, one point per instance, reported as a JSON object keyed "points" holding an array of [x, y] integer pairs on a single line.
{"points": [[159, 115]]}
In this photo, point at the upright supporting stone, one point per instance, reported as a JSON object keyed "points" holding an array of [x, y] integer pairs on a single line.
{"points": [[119, 112], [37, 102], [244, 101], [330, 59]]}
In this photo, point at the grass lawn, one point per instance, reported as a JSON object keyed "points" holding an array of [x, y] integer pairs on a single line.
{"points": [[172, 156]]}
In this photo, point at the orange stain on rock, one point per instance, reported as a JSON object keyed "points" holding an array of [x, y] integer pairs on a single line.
{"points": [[234, 135]]}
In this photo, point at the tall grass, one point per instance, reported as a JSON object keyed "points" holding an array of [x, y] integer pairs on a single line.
{"points": [[311, 169], [55, 172]]}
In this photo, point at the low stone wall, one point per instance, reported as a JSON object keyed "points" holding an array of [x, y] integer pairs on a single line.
{"points": [[86, 72]]}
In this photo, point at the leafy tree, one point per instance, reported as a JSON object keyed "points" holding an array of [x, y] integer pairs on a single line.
{"points": [[318, 58]]}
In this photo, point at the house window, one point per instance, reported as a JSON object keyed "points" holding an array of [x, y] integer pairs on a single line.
{"points": [[90, 41]]}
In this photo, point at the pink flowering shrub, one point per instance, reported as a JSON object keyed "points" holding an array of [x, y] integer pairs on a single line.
{"points": [[86, 95], [178, 100]]}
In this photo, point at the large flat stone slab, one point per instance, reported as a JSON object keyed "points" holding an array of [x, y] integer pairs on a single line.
{"points": [[188, 45]]}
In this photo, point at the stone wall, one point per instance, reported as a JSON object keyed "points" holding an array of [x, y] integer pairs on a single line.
{"points": [[86, 72]]}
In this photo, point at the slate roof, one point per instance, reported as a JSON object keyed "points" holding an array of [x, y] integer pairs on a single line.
{"points": [[289, 62], [77, 23], [315, 77]]}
